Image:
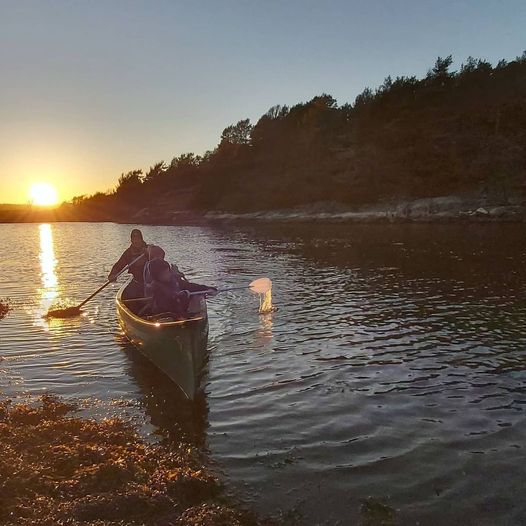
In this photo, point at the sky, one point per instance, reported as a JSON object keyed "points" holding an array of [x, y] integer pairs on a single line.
{"points": [[92, 89]]}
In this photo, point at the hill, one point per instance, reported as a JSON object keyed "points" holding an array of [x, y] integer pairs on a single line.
{"points": [[452, 133]]}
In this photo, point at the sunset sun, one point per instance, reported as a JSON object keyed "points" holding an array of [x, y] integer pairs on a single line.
{"points": [[43, 194]]}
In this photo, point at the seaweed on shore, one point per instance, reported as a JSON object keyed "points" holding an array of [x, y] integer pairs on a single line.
{"points": [[5, 307], [59, 469]]}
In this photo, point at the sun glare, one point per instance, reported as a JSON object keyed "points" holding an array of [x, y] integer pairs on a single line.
{"points": [[43, 194]]}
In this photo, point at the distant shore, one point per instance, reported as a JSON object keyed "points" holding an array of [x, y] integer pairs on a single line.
{"points": [[430, 210], [447, 147], [444, 209]]}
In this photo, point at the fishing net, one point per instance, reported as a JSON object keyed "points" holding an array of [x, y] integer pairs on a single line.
{"points": [[265, 302], [263, 288]]}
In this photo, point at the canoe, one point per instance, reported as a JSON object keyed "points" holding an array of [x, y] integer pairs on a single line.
{"points": [[176, 347]]}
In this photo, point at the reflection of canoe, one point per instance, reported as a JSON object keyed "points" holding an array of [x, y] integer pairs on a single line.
{"points": [[164, 403], [177, 348]]}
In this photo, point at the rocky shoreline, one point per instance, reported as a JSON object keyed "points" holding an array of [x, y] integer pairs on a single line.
{"points": [[446, 209]]}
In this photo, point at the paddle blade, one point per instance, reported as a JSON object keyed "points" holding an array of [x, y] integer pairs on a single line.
{"points": [[261, 286], [68, 312]]}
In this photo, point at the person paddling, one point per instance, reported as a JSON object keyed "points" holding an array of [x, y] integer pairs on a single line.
{"points": [[138, 246]]}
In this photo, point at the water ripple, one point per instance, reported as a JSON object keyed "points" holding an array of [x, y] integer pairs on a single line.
{"points": [[394, 367]]}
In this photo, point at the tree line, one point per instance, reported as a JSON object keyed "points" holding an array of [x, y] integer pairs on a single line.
{"points": [[451, 132]]}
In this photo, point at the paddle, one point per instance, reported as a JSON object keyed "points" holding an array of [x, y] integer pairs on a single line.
{"points": [[69, 312], [258, 286]]}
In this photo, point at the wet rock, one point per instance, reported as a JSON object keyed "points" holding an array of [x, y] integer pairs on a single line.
{"points": [[506, 212]]}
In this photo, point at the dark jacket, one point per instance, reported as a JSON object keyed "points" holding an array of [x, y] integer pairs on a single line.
{"points": [[174, 296], [137, 268]]}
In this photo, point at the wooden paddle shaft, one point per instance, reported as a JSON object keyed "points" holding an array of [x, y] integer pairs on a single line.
{"points": [[108, 282]]}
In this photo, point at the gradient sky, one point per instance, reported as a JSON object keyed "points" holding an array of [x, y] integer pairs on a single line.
{"points": [[90, 89]]}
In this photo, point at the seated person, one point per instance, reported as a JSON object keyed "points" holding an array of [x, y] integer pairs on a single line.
{"points": [[169, 289]]}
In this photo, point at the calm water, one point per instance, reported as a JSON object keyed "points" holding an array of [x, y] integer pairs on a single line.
{"points": [[395, 367]]}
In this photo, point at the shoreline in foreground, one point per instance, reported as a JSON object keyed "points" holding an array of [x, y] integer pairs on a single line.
{"points": [[59, 468]]}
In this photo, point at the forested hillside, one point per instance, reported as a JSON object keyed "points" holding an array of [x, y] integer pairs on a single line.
{"points": [[452, 132]]}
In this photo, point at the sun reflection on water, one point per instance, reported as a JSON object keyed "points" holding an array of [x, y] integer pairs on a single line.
{"points": [[49, 290]]}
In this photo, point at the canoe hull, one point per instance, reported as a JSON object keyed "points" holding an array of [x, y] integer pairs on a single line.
{"points": [[177, 348]]}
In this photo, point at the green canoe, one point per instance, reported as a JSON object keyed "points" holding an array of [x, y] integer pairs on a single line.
{"points": [[176, 347]]}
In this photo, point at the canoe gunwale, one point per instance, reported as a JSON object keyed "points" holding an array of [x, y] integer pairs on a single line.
{"points": [[152, 323]]}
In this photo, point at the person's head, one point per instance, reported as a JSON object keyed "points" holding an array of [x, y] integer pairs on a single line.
{"points": [[136, 238], [160, 270], [155, 252]]}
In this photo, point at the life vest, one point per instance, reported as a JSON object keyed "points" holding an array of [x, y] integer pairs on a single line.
{"points": [[168, 297]]}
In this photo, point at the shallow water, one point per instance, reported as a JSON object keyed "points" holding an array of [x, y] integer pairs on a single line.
{"points": [[394, 368]]}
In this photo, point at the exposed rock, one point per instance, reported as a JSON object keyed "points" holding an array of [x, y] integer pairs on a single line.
{"points": [[141, 215], [507, 212], [435, 209]]}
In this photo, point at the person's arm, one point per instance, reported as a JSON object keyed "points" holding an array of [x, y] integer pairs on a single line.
{"points": [[184, 284], [195, 287], [121, 263]]}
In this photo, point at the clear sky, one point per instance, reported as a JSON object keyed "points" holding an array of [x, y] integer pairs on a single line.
{"points": [[90, 89]]}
